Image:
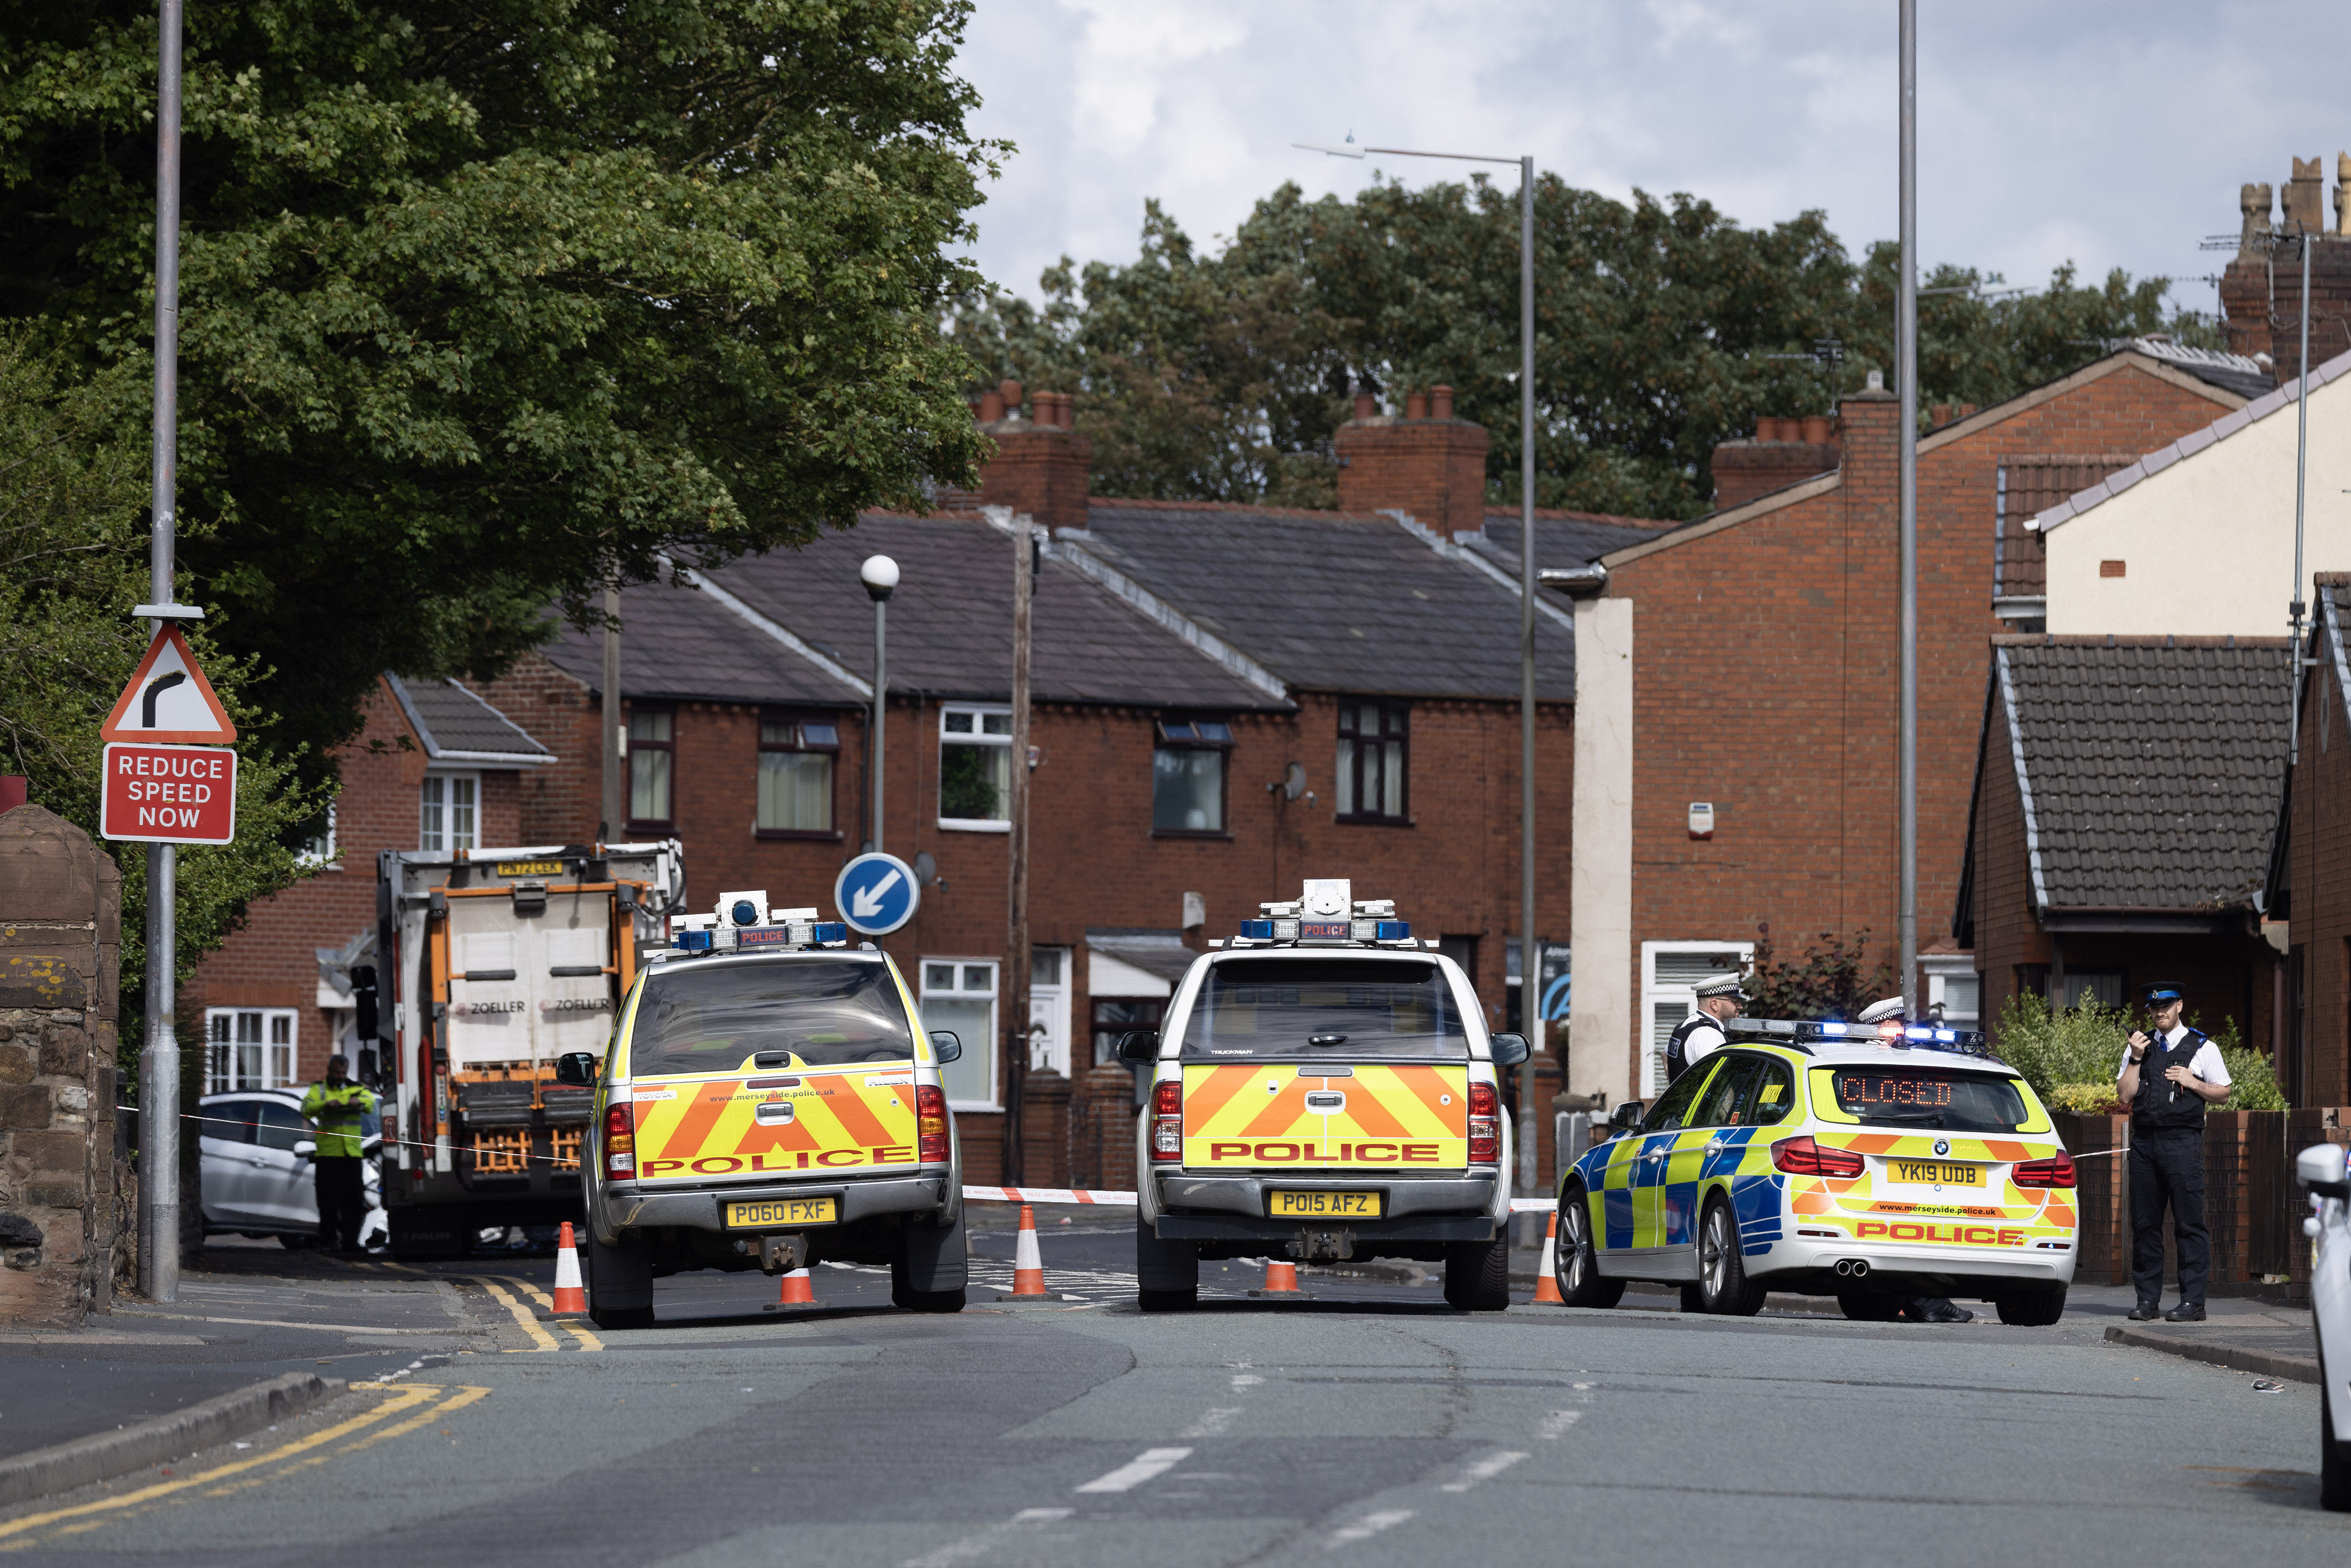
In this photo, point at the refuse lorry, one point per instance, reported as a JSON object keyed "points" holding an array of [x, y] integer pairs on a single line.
{"points": [[497, 962]]}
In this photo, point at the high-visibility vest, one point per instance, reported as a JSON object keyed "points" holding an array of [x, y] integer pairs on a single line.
{"points": [[336, 1113]]}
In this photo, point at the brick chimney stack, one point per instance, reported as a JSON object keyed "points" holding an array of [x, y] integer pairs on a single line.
{"points": [[2261, 290], [1041, 463], [1783, 451], [1427, 462]]}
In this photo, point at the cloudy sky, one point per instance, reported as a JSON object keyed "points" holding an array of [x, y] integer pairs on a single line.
{"points": [[2110, 133]]}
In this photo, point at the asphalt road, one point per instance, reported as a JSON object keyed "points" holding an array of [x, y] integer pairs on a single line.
{"points": [[1372, 1422]]}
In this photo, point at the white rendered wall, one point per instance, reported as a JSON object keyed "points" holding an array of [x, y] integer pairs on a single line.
{"points": [[1600, 878]]}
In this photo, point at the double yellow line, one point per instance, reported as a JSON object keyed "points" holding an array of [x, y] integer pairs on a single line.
{"points": [[419, 1403], [540, 1339]]}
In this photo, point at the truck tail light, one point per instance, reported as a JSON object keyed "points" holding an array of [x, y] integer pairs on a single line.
{"points": [[1802, 1156], [1485, 1126], [620, 1141], [1167, 1122], [931, 1123], [2057, 1172]]}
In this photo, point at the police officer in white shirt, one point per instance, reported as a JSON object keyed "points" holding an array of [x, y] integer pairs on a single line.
{"points": [[1720, 996], [2167, 1079]]}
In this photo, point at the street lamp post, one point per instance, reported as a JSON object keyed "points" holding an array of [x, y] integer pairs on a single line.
{"points": [[1906, 366], [880, 576], [1530, 953]]}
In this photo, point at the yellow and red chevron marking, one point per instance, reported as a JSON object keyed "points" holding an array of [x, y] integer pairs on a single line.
{"points": [[1383, 1118], [856, 1118]]}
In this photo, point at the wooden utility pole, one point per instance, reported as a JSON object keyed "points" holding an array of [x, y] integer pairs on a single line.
{"points": [[1015, 989]]}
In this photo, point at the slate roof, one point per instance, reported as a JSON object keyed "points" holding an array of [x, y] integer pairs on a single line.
{"points": [[1159, 953], [2194, 442], [950, 626], [456, 725], [2150, 771], [1333, 601], [2248, 377], [1562, 538], [683, 644]]}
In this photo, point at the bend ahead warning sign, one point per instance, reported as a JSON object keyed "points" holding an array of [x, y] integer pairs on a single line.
{"points": [[168, 700], [169, 794]]}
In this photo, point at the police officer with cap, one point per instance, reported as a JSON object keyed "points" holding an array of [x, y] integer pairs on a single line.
{"points": [[1720, 996], [2167, 1079]]}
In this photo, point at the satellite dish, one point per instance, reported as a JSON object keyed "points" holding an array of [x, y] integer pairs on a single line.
{"points": [[926, 870], [1293, 781]]}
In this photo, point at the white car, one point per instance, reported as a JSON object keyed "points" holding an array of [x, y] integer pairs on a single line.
{"points": [[258, 1178], [2319, 1168]]}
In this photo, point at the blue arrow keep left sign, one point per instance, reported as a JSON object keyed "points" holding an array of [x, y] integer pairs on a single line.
{"points": [[876, 894]]}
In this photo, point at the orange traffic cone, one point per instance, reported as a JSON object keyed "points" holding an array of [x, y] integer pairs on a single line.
{"points": [[1028, 1264], [1281, 1280], [1547, 1285], [571, 1297], [798, 1293]]}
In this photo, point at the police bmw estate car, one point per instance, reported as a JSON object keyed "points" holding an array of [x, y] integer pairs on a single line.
{"points": [[1873, 1164]]}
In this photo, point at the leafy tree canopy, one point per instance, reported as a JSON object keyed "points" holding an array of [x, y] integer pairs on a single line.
{"points": [[1661, 329], [485, 303]]}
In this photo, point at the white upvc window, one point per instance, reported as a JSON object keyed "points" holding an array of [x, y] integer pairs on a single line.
{"points": [[1671, 972], [976, 767], [449, 813], [319, 847], [250, 1048], [959, 994], [1955, 992]]}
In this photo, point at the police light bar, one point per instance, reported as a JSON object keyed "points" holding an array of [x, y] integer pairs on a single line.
{"points": [[787, 936], [1328, 915], [1893, 1034]]}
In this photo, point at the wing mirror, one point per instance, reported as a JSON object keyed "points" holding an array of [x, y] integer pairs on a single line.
{"points": [[575, 1067], [1510, 1049], [1138, 1047], [1625, 1118], [2319, 1168], [304, 1147], [947, 1045]]}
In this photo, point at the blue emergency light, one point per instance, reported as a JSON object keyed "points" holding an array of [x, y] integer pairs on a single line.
{"points": [[1258, 930], [1392, 930], [694, 941]]}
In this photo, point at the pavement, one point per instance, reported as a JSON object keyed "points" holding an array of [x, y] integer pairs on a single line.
{"points": [[1370, 1419]]}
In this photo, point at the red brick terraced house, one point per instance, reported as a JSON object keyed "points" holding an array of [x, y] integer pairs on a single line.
{"points": [[2308, 895]]}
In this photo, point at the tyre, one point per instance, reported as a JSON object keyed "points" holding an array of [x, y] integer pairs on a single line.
{"points": [[1575, 1263], [1477, 1274], [1864, 1306], [2333, 1468], [293, 1243], [905, 1293], [420, 1233], [1723, 1288], [2032, 1308], [1164, 1269], [619, 1282], [933, 1260], [1168, 1300]]}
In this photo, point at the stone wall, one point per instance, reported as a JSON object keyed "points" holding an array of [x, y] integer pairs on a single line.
{"points": [[60, 1220]]}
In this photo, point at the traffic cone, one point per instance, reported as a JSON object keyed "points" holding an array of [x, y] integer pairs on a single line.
{"points": [[797, 1293], [1281, 1280], [1547, 1285], [1028, 1264], [570, 1296]]}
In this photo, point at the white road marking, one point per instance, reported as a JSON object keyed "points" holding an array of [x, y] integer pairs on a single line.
{"points": [[1212, 1424], [1247, 1380], [1558, 1421], [987, 1541], [1364, 1529], [1139, 1469], [1485, 1470]]}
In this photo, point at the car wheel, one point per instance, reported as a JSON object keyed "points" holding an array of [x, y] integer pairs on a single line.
{"points": [[1168, 1300], [619, 1282], [2032, 1308], [1477, 1274], [2334, 1469], [1723, 1288], [1576, 1262], [1165, 1267], [1870, 1306]]}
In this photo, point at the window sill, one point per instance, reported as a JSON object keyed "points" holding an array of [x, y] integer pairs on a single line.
{"points": [[972, 825], [805, 835], [1212, 835], [1363, 821], [650, 829]]}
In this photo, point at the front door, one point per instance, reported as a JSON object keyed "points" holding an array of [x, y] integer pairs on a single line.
{"points": [[1643, 1164], [225, 1141]]}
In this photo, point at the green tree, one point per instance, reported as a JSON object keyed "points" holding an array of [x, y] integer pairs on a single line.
{"points": [[485, 304]]}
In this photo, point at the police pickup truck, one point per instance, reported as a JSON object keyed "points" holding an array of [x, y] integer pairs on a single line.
{"points": [[1323, 1088], [770, 1098]]}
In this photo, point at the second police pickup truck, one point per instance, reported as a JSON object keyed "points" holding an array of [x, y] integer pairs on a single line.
{"points": [[1324, 1088]]}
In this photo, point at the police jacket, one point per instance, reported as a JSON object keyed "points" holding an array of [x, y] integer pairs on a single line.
{"points": [[2163, 1106], [336, 1113], [1678, 1054]]}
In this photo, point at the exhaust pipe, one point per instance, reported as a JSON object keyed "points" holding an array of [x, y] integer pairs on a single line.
{"points": [[1853, 1268]]}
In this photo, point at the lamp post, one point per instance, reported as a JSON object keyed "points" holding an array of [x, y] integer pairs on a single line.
{"points": [[1529, 956], [1905, 367], [880, 576]]}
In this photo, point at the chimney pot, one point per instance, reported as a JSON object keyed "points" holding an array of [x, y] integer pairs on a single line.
{"points": [[1967, 410], [1009, 391], [1440, 402], [1939, 415], [1366, 405], [1815, 428], [1416, 405], [1049, 410], [991, 407], [1767, 427]]}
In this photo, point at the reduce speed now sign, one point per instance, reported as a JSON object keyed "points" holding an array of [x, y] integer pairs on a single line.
{"points": [[169, 794]]}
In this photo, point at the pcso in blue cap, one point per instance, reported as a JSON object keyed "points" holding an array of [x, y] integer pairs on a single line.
{"points": [[2167, 1078]]}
